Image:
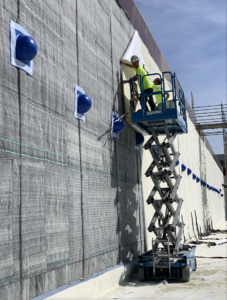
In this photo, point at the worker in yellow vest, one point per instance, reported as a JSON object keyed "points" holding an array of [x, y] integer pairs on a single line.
{"points": [[146, 81], [148, 87], [157, 88]]}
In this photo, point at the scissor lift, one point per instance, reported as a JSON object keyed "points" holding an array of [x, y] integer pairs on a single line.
{"points": [[172, 260]]}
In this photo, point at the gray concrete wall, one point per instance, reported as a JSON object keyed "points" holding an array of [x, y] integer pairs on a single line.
{"points": [[71, 201]]}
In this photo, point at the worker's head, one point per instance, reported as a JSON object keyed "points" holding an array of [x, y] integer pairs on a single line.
{"points": [[135, 61], [157, 81]]}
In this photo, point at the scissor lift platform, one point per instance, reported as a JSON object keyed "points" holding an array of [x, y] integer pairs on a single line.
{"points": [[171, 114], [173, 121]]}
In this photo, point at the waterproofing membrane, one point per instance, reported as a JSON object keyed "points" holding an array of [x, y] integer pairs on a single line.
{"points": [[78, 91], [15, 30], [112, 115], [134, 48]]}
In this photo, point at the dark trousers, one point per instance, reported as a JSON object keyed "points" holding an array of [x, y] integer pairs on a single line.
{"points": [[149, 99]]}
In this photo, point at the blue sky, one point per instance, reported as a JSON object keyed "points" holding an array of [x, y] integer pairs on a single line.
{"points": [[191, 35]]}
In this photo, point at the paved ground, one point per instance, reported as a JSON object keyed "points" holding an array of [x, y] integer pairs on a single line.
{"points": [[214, 270]]}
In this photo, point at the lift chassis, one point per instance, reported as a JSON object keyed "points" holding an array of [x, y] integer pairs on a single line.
{"points": [[163, 266]]}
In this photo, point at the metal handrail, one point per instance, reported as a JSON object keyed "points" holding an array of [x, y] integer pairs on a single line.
{"points": [[177, 92]]}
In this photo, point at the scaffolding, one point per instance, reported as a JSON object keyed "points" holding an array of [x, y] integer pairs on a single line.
{"points": [[212, 118]]}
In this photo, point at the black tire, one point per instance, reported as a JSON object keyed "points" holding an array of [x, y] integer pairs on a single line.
{"points": [[142, 274], [185, 274], [195, 265]]}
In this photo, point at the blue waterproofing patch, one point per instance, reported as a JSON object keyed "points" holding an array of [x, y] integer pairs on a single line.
{"points": [[15, 30], [112, 115], [78, 91], [77, 282]]}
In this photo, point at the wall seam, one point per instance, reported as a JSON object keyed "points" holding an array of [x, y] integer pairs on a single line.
{"points": [[115, 143], [138, 183], [20, 172], [79, 133]]}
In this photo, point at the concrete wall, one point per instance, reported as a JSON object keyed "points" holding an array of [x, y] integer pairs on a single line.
{"points": [[71, 194]]}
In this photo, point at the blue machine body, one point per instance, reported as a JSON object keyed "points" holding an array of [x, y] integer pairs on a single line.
{"points": [[174, 115], [184, 258]]}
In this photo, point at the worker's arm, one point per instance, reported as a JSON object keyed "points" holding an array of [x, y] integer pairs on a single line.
{"points": [[167, 96], [130, 66], [128, 81], [127, 65]]}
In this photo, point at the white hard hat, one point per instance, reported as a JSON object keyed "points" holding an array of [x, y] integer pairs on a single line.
{"points": [[134, 58]]}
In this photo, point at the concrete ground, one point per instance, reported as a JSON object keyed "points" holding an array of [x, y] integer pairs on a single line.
{"points": [[209, 282]]}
